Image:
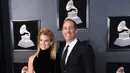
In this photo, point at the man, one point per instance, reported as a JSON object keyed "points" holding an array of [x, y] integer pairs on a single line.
{"points": [[74, 56]]}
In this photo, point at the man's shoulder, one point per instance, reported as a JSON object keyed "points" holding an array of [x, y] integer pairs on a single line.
{"points": [[83, 43], [60, 46], [61, 43]]}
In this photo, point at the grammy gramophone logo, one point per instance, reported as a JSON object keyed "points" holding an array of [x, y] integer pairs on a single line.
{"points": [[72, 12], [25, 41], [123, 35], [120, 70]]}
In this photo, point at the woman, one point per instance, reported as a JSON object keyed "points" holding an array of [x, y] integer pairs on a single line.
{"points": [[43, 60]]}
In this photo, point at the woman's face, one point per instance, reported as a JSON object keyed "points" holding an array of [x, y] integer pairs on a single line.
{"points": [[45, 42]]}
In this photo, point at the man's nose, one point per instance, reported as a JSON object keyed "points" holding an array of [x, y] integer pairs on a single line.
{"points": [[68, 30], [43, 42]]}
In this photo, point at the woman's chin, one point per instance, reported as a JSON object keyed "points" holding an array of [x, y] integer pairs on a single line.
{"points": [[43, 48]]}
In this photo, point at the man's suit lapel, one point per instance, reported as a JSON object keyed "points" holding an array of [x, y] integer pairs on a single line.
{"points": [[72, 52], [62, 45]]}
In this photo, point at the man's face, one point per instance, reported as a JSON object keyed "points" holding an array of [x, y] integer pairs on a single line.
{"points": [[69, 31]]}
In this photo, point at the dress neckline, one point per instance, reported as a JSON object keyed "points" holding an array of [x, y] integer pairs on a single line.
{"points": [[44, 50]]}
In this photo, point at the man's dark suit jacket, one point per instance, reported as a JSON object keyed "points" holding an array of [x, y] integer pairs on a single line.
{"points": [[80, 60]]}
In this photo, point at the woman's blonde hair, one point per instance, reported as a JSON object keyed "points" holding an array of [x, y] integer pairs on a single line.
{"points": [[49, 33]]}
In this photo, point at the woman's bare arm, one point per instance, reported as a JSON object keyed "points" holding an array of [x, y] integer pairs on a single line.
{"points": [[30, 64]]}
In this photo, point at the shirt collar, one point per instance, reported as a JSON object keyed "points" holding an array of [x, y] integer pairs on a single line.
{"points": [[73, 42]]}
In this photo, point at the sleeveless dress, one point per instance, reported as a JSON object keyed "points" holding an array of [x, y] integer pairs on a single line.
{"points": [[43, 63]]}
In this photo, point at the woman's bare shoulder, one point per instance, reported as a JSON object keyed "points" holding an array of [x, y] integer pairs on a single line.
{"points": [[31, 58]]}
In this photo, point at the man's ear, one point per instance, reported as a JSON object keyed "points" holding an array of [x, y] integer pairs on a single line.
{"points": [[76, 31], [62, 31], [51, 43]]}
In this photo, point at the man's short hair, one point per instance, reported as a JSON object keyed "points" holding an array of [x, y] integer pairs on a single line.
{"points": [[75, 25]]}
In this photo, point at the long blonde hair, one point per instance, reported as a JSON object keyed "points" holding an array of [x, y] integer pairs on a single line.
{"points": [[49, 33]]}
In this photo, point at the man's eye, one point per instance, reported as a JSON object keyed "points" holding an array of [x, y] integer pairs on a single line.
{"points": [[70, 27], [65, 28]]}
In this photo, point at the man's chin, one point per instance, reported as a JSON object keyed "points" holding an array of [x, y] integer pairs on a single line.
{"points": [[68, 40]]}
